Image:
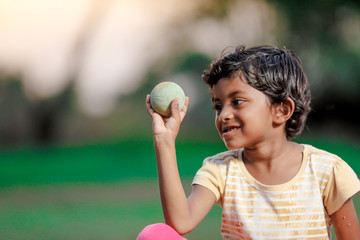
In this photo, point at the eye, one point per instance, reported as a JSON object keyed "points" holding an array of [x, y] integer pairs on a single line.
{"points": [[218, 107], [237, 102]]}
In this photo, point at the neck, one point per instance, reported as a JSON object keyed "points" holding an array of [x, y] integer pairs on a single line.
{"points": [[268, 154]]}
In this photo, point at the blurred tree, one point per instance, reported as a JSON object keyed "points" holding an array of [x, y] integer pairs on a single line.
{"points": [[13, 113], [39, 120], [326, 35], [24, 121]]}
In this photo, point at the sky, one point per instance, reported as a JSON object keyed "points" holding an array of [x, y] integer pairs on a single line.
{"points": [[106, 47]]}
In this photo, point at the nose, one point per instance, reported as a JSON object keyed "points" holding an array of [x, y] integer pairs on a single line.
{"points": [[226, 114]]}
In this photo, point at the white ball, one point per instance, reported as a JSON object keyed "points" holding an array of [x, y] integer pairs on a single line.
{"points": [[163, 94]]}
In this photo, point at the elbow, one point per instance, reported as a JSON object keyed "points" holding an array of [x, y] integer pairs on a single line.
{"points": [[181, 228]]}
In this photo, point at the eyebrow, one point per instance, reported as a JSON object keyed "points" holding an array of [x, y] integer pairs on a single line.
{"points": [[230, 95]]}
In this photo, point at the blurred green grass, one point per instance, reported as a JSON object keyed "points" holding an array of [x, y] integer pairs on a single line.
{"points": [[104, 191], [110, 162]]}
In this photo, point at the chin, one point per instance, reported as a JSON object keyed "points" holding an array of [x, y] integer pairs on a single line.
{"points": [[234, 143], [231, 146]]}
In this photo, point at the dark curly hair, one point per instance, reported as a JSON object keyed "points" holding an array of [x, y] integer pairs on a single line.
{"points": [[277, 72]]}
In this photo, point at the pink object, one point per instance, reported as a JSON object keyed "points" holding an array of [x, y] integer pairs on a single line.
{"points": [[159, 231]]}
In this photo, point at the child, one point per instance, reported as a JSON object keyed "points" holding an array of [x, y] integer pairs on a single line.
{"points": [[268, 186]]}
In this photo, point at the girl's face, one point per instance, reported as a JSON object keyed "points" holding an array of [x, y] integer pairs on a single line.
{"points": [[243, 113]]}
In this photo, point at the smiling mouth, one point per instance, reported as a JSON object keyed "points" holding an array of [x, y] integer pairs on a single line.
{"points": [[228, 130]]}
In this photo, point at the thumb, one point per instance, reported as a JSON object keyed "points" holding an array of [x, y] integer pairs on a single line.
{"points": [[175, 112]]}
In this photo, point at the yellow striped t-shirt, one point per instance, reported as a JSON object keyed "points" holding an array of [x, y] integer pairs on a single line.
{"points": [[298, 209]]}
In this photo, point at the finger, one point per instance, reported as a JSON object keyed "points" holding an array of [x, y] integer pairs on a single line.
{"points": [[187, 100], [153, 114], [148, 105], [174, 108], [185, 108], [186, 103]]}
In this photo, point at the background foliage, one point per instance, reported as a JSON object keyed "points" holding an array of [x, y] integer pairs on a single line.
{"points": [[67, 174]]}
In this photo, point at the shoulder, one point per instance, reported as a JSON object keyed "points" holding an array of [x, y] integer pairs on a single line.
{"points": [[323, 158], [222, 161], [212, 174], [223, 158], [331, 167]]}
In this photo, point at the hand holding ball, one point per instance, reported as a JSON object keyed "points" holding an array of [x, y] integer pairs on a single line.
{"points": [[163, 94]]}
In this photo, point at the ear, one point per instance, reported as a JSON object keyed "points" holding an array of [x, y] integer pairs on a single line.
{"points": [[283, 111]]}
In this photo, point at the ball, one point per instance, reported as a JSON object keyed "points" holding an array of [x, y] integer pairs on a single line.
{"points": [[163, 94]]}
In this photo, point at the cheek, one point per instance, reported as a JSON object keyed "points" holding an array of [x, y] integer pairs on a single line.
{"points": [[216, 123]]}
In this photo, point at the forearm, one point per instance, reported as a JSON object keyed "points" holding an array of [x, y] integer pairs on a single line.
{"points": [[174, 201]]}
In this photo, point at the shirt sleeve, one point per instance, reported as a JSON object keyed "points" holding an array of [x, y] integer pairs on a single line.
{"points": [[209, 176], [342, 184]]}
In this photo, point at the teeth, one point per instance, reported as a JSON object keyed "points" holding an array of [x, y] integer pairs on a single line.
{"points": [[231, 129]]}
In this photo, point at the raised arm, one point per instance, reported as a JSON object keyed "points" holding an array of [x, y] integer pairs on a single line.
{"points": [[180, 213]]}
